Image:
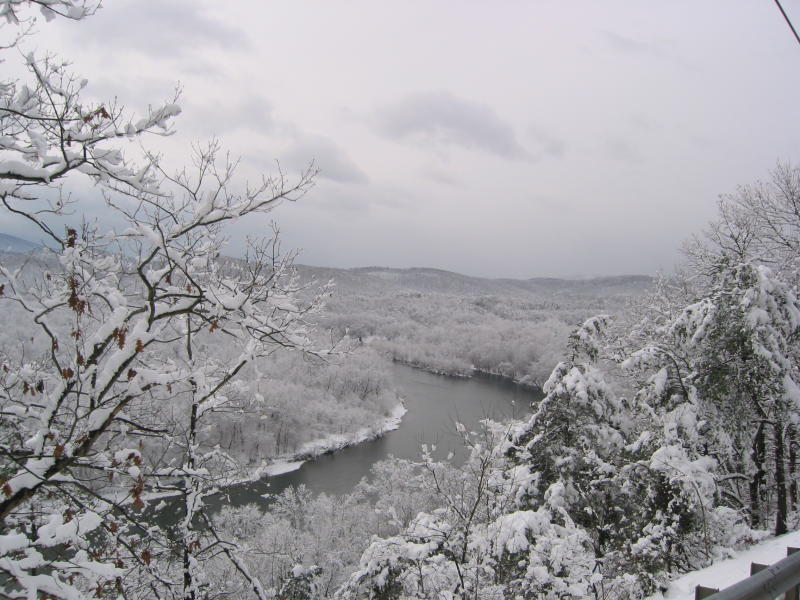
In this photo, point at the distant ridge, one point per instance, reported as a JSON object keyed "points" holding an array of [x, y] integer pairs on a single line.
{"points": [[11, 243], [381, 280]]}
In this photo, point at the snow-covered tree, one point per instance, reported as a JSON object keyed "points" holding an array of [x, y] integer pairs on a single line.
{"points": [[760, 222], [576, 434], [746, 368], [728, 364], [140, 335], [749, 263], [484, 540]]}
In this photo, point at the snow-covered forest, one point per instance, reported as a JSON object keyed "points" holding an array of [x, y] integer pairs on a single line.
{"points": [[138, 362], [452, 324]]}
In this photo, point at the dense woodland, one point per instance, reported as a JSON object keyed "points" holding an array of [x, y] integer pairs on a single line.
{"points": [[138, 361], [453, 324]]}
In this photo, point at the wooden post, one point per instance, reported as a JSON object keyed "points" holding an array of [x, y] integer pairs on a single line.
{"points": [[794, 593], [701, 592], [756, 567]]}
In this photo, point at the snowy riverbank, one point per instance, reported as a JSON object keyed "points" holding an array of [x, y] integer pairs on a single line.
{"points": [[332, 443], [292, 462], [471, 372]]}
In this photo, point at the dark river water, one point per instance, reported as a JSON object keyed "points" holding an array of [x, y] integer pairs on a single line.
{"points": [[434, 404]]}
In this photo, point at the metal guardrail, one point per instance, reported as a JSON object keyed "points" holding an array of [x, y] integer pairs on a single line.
{"points": [[767, 584]]}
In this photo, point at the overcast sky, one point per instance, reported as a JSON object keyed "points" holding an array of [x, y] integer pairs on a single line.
{"points": [[504, 139]]}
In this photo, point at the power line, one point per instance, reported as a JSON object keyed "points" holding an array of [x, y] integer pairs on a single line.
{"points": [[785, 16]]}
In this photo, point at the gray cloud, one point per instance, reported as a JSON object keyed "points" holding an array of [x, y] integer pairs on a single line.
{"points": [[622, 150], [652, 50], [552, 203], [332, 161], [439, 176], [134, 96], [253, 113], [442, 117], [174, 29], [548, 145], [644, 123], [628, 45]]}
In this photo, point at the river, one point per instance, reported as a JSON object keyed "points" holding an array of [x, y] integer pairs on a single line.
{"points": [[434, 403]]}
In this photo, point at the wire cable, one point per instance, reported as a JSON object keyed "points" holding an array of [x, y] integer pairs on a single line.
{"points": [[785, 16]]}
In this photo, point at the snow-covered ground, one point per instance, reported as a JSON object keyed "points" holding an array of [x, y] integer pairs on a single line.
{"points": [[725, 573]]}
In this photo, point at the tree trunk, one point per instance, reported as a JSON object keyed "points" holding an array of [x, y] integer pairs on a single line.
{"points": [[758, 477], [792, 441], [780, 479], [189, 499]]}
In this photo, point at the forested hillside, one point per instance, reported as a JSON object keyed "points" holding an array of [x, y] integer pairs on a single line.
{"points": [[454, 324]]}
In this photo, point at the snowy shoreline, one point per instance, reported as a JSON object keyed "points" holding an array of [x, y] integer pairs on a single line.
{"points": [[311, 450], [473, 370], [287, 463]]}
